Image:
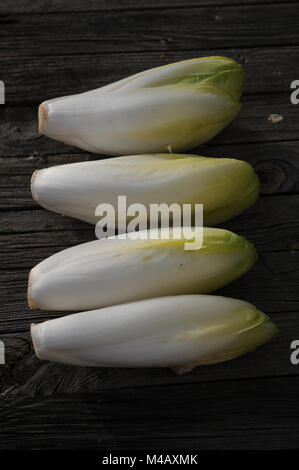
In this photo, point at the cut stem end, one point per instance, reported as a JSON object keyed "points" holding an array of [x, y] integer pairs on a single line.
{"points": [[42, 118], [32, 305]]}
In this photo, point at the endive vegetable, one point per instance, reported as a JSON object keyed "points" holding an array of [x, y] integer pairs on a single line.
{"points": [[181, 332], [177, 107], [115, 270], [224, 186]]}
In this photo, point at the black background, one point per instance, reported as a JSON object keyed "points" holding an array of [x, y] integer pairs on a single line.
{"points": [[52, 48]]}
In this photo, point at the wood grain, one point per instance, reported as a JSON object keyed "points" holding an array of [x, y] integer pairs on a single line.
{"points": [[181, 416], [166, 29], [44, 6], [38, 233], [269, 235], [268, 70], [49, 49]]}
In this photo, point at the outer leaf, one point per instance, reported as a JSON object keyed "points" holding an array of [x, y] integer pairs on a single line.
{"points": [[224, 186], [177, 106], [179, 332], [111, 271]]}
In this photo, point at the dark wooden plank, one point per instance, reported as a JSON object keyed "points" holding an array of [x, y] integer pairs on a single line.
{"points": [[27, 236], [38, 221], [232, 414], [270, 228], [271, 224], [271, 285], [44, 6], [17, 347], [24, 249], [14, 309], [253, 125], [19, 135], [27, 78], [166, 29]]}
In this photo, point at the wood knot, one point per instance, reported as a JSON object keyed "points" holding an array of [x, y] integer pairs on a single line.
{"points": [[271, 176]]}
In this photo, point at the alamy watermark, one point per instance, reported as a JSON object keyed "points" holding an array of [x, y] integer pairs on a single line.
{"points": [[2, 92], [154, 221], [294, 358], [2, 353], [295, 94]]}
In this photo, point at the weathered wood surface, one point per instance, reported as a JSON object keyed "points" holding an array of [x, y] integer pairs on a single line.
{"points": [[264, 223], [268, 70], [8, 7], [166, 29], [55, 48], [239, 414]]}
